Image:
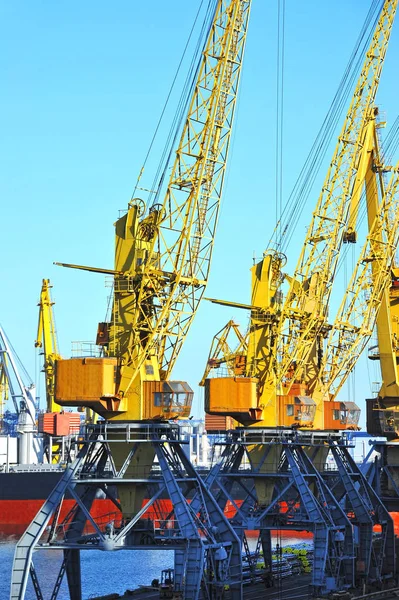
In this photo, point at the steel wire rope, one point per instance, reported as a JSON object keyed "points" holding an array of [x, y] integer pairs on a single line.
{"points": [[319, 148], [279, 114], [325, 135], [391, 144], [352, 374], [279, 136], [182, 107], [279, 184], [177, 118], [169, 95], [300, 192]]}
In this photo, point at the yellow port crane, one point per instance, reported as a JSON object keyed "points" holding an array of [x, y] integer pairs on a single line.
{"points": [[47, 340], [3, 393], [365, 297], [292, 375], [163, 252], [383, 411]]}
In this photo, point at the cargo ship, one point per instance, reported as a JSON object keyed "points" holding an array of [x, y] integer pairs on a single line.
{"points": [[22, 494], [25, 487]]}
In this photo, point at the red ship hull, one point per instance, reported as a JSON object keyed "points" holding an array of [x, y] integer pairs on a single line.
{"points": [[15, 515], [23, 494]]}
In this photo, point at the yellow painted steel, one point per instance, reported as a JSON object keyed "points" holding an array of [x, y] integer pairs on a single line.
{"points": [[221, 352], [265, 486], [79, 380], [388, 341], [358, 311], [131, 495], [3, 391], [163, 252], [47, 339], [167, 253]]}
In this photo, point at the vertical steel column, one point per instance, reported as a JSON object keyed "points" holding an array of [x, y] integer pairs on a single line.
{"points": [[369, 511], [74, 575], [321, 533], [194, 554]]}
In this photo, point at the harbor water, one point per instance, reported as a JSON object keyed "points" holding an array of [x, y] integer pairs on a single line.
{"points": [[102, 572]]}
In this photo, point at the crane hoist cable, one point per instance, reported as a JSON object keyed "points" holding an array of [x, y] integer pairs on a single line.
{"points": [[391, 143], [179, 114], [279, 115], [318, 151], [302, 187], [169, 95], [183, 104], [328, 129]]}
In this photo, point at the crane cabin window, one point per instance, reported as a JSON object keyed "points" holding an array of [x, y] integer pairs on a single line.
{"points": [[175, 395]]}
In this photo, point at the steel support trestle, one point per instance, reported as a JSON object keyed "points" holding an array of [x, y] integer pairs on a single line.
{"points": [[154, 500], [294, 480]]}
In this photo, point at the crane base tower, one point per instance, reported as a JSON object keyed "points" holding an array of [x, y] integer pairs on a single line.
{"points": [[128, 462], [382, 472], [307, 481]]}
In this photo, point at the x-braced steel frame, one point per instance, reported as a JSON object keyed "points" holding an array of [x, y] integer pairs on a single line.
{"points": [[157, 500], [298, 481]]}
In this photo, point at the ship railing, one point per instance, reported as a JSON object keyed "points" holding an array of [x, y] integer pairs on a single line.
{"points": [[106, 521], [166, 528], [86, 350], [115, 432], [148, 472]]}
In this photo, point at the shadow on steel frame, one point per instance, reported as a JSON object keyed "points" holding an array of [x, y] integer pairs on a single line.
{"points": [[307, 481]]}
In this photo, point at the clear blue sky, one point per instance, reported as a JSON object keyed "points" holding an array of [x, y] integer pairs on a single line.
{"points": [[83, 84]]}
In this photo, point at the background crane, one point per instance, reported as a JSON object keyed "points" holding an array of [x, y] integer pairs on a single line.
{"points": [[23, 395], [47, 340]]}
